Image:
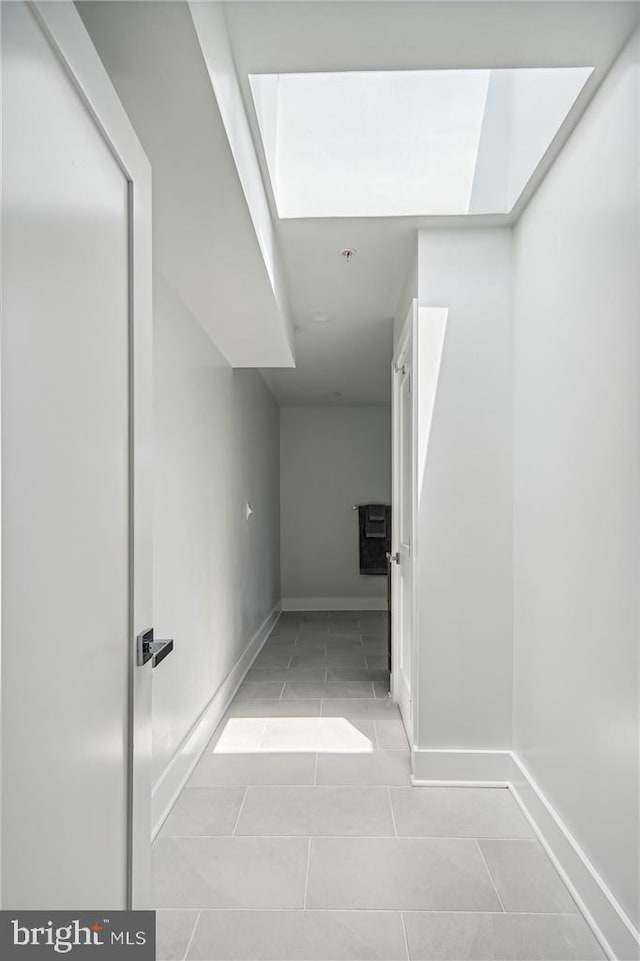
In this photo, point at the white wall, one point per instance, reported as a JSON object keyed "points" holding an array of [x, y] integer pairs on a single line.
{"points": [[216, 245], [216, 574], [524, 111], [577, 483], [331, 459], [211, 28], [408, 294], [464, 534], [540, 101], [216, 431], [490, 181]]}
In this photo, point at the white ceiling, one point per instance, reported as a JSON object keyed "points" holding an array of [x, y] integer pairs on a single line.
{"points": [[207, 246], [352, 353]]}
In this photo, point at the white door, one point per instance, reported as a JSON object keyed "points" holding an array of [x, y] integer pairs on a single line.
{"points": [[403, 521], [75, 474]]}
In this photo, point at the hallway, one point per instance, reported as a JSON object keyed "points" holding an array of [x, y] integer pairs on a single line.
{"points": [[296, 295], [299, 836]]}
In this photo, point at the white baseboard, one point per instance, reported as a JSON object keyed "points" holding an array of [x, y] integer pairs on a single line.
{"points": [[436, 767], [334, 604], [618, 936], [615, 931], [168, 787]]}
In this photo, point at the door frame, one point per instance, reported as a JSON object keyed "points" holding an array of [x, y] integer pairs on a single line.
{"points": [[406, 344], [67, 36]]}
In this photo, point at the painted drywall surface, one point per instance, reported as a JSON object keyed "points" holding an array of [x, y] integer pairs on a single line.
{"points": [[216, 446], [464, 628], [524, 111], [539, 103], [576, 483], [408, 295], [216, 573], [489, 191], [208, 247], [331, 459], [209, 22]]}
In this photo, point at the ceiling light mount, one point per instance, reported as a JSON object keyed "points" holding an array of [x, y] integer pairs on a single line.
{"points": [[320, 316], [348, 253]]}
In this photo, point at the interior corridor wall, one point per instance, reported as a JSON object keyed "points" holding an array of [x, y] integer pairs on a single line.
{"points": [[577, 482], [464, 630], [331, 459], [216, 430], [408, 294], [216, 572]]}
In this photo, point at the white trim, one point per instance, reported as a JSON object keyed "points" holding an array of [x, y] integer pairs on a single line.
{"points": [[413, 722], [415, 782], [334, 604], [169, 785], [1, 341], [403, 688], [614, 929], [611, 925], [435, 766], [66, 32]]}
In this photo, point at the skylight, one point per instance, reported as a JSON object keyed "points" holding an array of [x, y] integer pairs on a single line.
{"points": [[394, 143]]}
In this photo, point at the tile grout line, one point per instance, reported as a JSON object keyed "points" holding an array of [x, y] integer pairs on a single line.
{"points": [[306, 879], [393, 817], [528, 914], [404, 932], [315, 772], [244, 798], [193, 934], [360, 837], [484, 861]]}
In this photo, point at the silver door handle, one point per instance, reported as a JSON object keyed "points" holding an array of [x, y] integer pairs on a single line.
{"points": [[393, 558], [148, 649]]}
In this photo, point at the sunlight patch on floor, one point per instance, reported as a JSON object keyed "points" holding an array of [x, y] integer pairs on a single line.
{"points": [[331, 735]]}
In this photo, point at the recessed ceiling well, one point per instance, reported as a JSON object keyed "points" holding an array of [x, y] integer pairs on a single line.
{"points": [[362, 39], [408, 142]]}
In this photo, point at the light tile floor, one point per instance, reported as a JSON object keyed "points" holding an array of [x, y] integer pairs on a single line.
{"points": [[300, 838]]}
